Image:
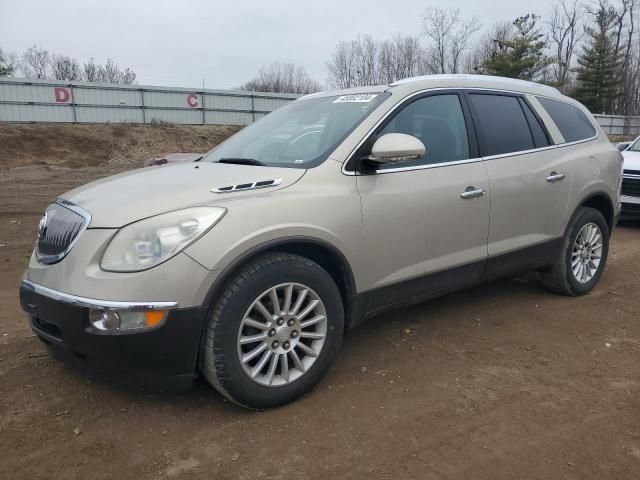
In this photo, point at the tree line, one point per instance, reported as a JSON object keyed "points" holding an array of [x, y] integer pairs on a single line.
{"points": [[37, 62], [590, 51]]}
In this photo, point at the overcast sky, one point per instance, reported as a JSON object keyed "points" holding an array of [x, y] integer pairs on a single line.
{"points": [[178, 43]]}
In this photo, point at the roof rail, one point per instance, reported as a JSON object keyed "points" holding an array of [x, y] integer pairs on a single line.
{"points": [[480, 79]]}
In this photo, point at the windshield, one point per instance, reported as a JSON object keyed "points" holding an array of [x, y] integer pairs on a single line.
{"points": [[301, 134], [635, 146]]}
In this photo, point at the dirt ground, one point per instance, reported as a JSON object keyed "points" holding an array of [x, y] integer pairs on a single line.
{"points": [[111, 145], [500, 381]]}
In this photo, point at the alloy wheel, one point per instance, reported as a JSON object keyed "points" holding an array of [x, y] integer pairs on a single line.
{"points": [[282, 334], [587, 253]]}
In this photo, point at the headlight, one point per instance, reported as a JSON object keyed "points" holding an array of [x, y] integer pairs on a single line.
{"points": [[149, 242]]}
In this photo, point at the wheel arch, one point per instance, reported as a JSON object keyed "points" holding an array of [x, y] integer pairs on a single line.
{"points": [[602, 202], [323, 253]]}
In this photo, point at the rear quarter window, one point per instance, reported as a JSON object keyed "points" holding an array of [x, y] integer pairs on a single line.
{"points": [[570, 120]]}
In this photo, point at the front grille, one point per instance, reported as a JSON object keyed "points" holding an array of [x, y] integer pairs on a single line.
{"points": [[631, 186], [631, 209], [59, 228]]}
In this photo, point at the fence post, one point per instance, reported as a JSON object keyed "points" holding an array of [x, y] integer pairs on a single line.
{"points": [[253, 108], [204, 118], [144, 110], [73, 104]]}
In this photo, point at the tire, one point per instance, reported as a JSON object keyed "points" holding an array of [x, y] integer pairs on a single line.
{"points": [[235, 313], [560, 278]]}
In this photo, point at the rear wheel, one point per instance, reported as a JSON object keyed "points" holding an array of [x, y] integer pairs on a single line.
{"points": [[584, 255], [273, 332]]}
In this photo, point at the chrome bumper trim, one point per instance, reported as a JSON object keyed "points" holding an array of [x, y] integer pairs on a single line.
{"points": [[629, 199], [94, 303]]}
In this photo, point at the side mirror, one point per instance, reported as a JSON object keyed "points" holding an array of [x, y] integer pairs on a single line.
{"points": [[395, 148]]}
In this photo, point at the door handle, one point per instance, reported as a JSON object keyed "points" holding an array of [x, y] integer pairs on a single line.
{"points": [[473, 192], [555, 177]]}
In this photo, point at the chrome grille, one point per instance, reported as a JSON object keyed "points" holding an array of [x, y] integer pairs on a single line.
{"points": [[630, 186], [59, 229]]}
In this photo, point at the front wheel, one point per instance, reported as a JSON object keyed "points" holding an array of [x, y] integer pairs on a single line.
{"points": [[273, 332], [584, 255]]}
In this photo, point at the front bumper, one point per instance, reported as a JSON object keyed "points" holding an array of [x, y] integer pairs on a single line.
{"points": [[163, 357]]}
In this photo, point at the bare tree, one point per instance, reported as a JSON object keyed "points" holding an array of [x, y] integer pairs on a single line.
{"points": [[355, 62], [449, 36], [35, 62], [7, 64], [492, 43], [365, 61], [624, 47], [625, 21], [91, 71], [343, 72], [408, 59], [110, 72], [566, 30], [64, 67], [282, 78]]}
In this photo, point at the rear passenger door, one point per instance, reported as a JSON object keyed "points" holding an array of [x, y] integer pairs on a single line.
{"points": [[530, 185]]}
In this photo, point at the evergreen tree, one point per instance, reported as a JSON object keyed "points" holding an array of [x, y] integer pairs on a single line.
{"points": [[600, 63], [522, 55]]}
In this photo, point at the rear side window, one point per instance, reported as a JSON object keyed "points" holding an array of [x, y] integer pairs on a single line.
{"points": [[503, 126], [572, 123]]}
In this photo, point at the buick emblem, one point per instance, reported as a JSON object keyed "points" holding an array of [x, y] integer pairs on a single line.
{"points": [[42, 226]]}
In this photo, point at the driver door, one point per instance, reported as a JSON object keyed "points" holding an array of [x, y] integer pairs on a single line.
{"points": [[425, 221]]}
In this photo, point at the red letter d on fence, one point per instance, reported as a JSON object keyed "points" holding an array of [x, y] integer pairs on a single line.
{"points": [[61, 94]]}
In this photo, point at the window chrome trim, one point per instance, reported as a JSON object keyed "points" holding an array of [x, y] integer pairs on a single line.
{"points": [[95, 303], [540, 149], [432, 165], [470, 160], [51, 259]]}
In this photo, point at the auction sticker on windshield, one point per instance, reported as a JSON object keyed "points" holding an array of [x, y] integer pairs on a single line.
{"points": [[359, 98]]}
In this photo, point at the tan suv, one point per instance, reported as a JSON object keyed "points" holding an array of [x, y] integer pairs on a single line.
{"points": [[251, 264]]}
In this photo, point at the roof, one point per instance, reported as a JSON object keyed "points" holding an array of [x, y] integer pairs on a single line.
{"points": [[477, 81], [409, 85]]}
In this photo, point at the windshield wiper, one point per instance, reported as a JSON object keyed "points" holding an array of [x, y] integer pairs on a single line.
{"points": [[242, 161]]}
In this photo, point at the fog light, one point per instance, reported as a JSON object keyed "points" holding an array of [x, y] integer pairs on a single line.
{"points": [[124, 320]]}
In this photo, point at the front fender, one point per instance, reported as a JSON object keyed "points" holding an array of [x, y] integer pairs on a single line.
{"points": [[332, 219]]}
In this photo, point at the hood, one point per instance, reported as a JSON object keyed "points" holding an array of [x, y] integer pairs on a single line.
{"points": [[631, 160], [121, 199]]}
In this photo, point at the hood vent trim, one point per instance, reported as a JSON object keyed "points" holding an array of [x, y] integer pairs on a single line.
{"points": [[242, 187]]}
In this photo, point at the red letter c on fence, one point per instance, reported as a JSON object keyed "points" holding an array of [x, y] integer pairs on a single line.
{"points": [[61, 94], [192, 100]]}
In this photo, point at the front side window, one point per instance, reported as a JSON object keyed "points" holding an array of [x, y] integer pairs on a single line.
{"points": [[438, 121], [300, 135], [503, 127], [570, 120]]}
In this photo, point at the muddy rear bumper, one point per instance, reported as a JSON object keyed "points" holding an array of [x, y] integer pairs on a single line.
{"points": [[162, 358]]}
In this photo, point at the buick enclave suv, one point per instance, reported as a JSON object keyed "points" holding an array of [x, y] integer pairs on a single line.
{"points": [[250, 264]]}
